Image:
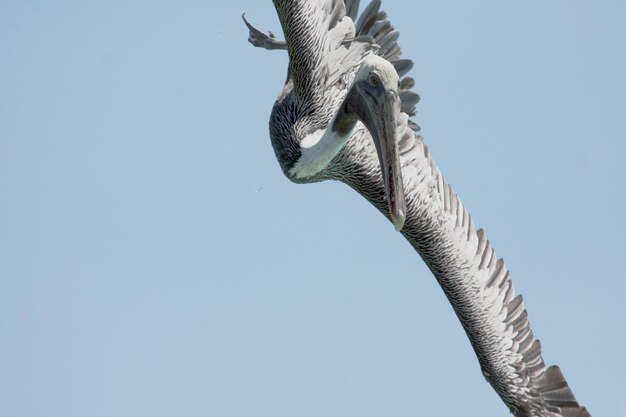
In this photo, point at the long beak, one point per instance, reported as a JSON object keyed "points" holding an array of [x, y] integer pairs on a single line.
{"points": [[389, 157], [378, 109]]}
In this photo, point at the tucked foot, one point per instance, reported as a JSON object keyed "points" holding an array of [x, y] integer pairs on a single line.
{"points": [[261, 39]]}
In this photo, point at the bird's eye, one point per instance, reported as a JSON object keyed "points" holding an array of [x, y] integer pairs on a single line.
{"points": [[374, 80]]}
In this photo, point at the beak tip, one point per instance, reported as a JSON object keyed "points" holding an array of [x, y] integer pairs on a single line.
{"points": [[398, 221]]}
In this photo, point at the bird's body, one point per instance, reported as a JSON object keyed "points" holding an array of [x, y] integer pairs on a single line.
{"points": [[333, 121]]}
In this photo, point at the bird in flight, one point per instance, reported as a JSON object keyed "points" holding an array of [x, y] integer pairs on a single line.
{"points": [[344, 114]]}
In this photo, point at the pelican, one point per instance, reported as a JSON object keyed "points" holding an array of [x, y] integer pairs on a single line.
{"points": [[344, 114]]}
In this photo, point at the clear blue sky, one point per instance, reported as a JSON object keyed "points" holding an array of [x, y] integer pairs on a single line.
{"points": [[155, 262]]}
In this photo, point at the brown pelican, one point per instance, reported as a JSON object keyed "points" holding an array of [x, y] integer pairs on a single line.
{"points": [[343, 114]]}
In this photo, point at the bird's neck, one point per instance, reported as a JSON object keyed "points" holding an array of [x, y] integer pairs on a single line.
{"points": [[318, 148]]}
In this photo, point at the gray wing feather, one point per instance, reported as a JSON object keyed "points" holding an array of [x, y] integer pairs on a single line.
{"points": [[366, 18], [352, 8]]}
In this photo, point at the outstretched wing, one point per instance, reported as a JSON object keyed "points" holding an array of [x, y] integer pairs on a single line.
{"points": [[460, 256]]}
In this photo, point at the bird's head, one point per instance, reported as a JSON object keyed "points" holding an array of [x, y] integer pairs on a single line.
{"points": [[373, 99]]}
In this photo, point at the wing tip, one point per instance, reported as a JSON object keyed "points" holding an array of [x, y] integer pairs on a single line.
{"points": [[554, 391]]}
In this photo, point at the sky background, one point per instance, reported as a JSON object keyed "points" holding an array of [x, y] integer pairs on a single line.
{"points": [[154, 261]]}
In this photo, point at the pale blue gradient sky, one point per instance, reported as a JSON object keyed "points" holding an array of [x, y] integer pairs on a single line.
{"points": [[155, 262]]}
